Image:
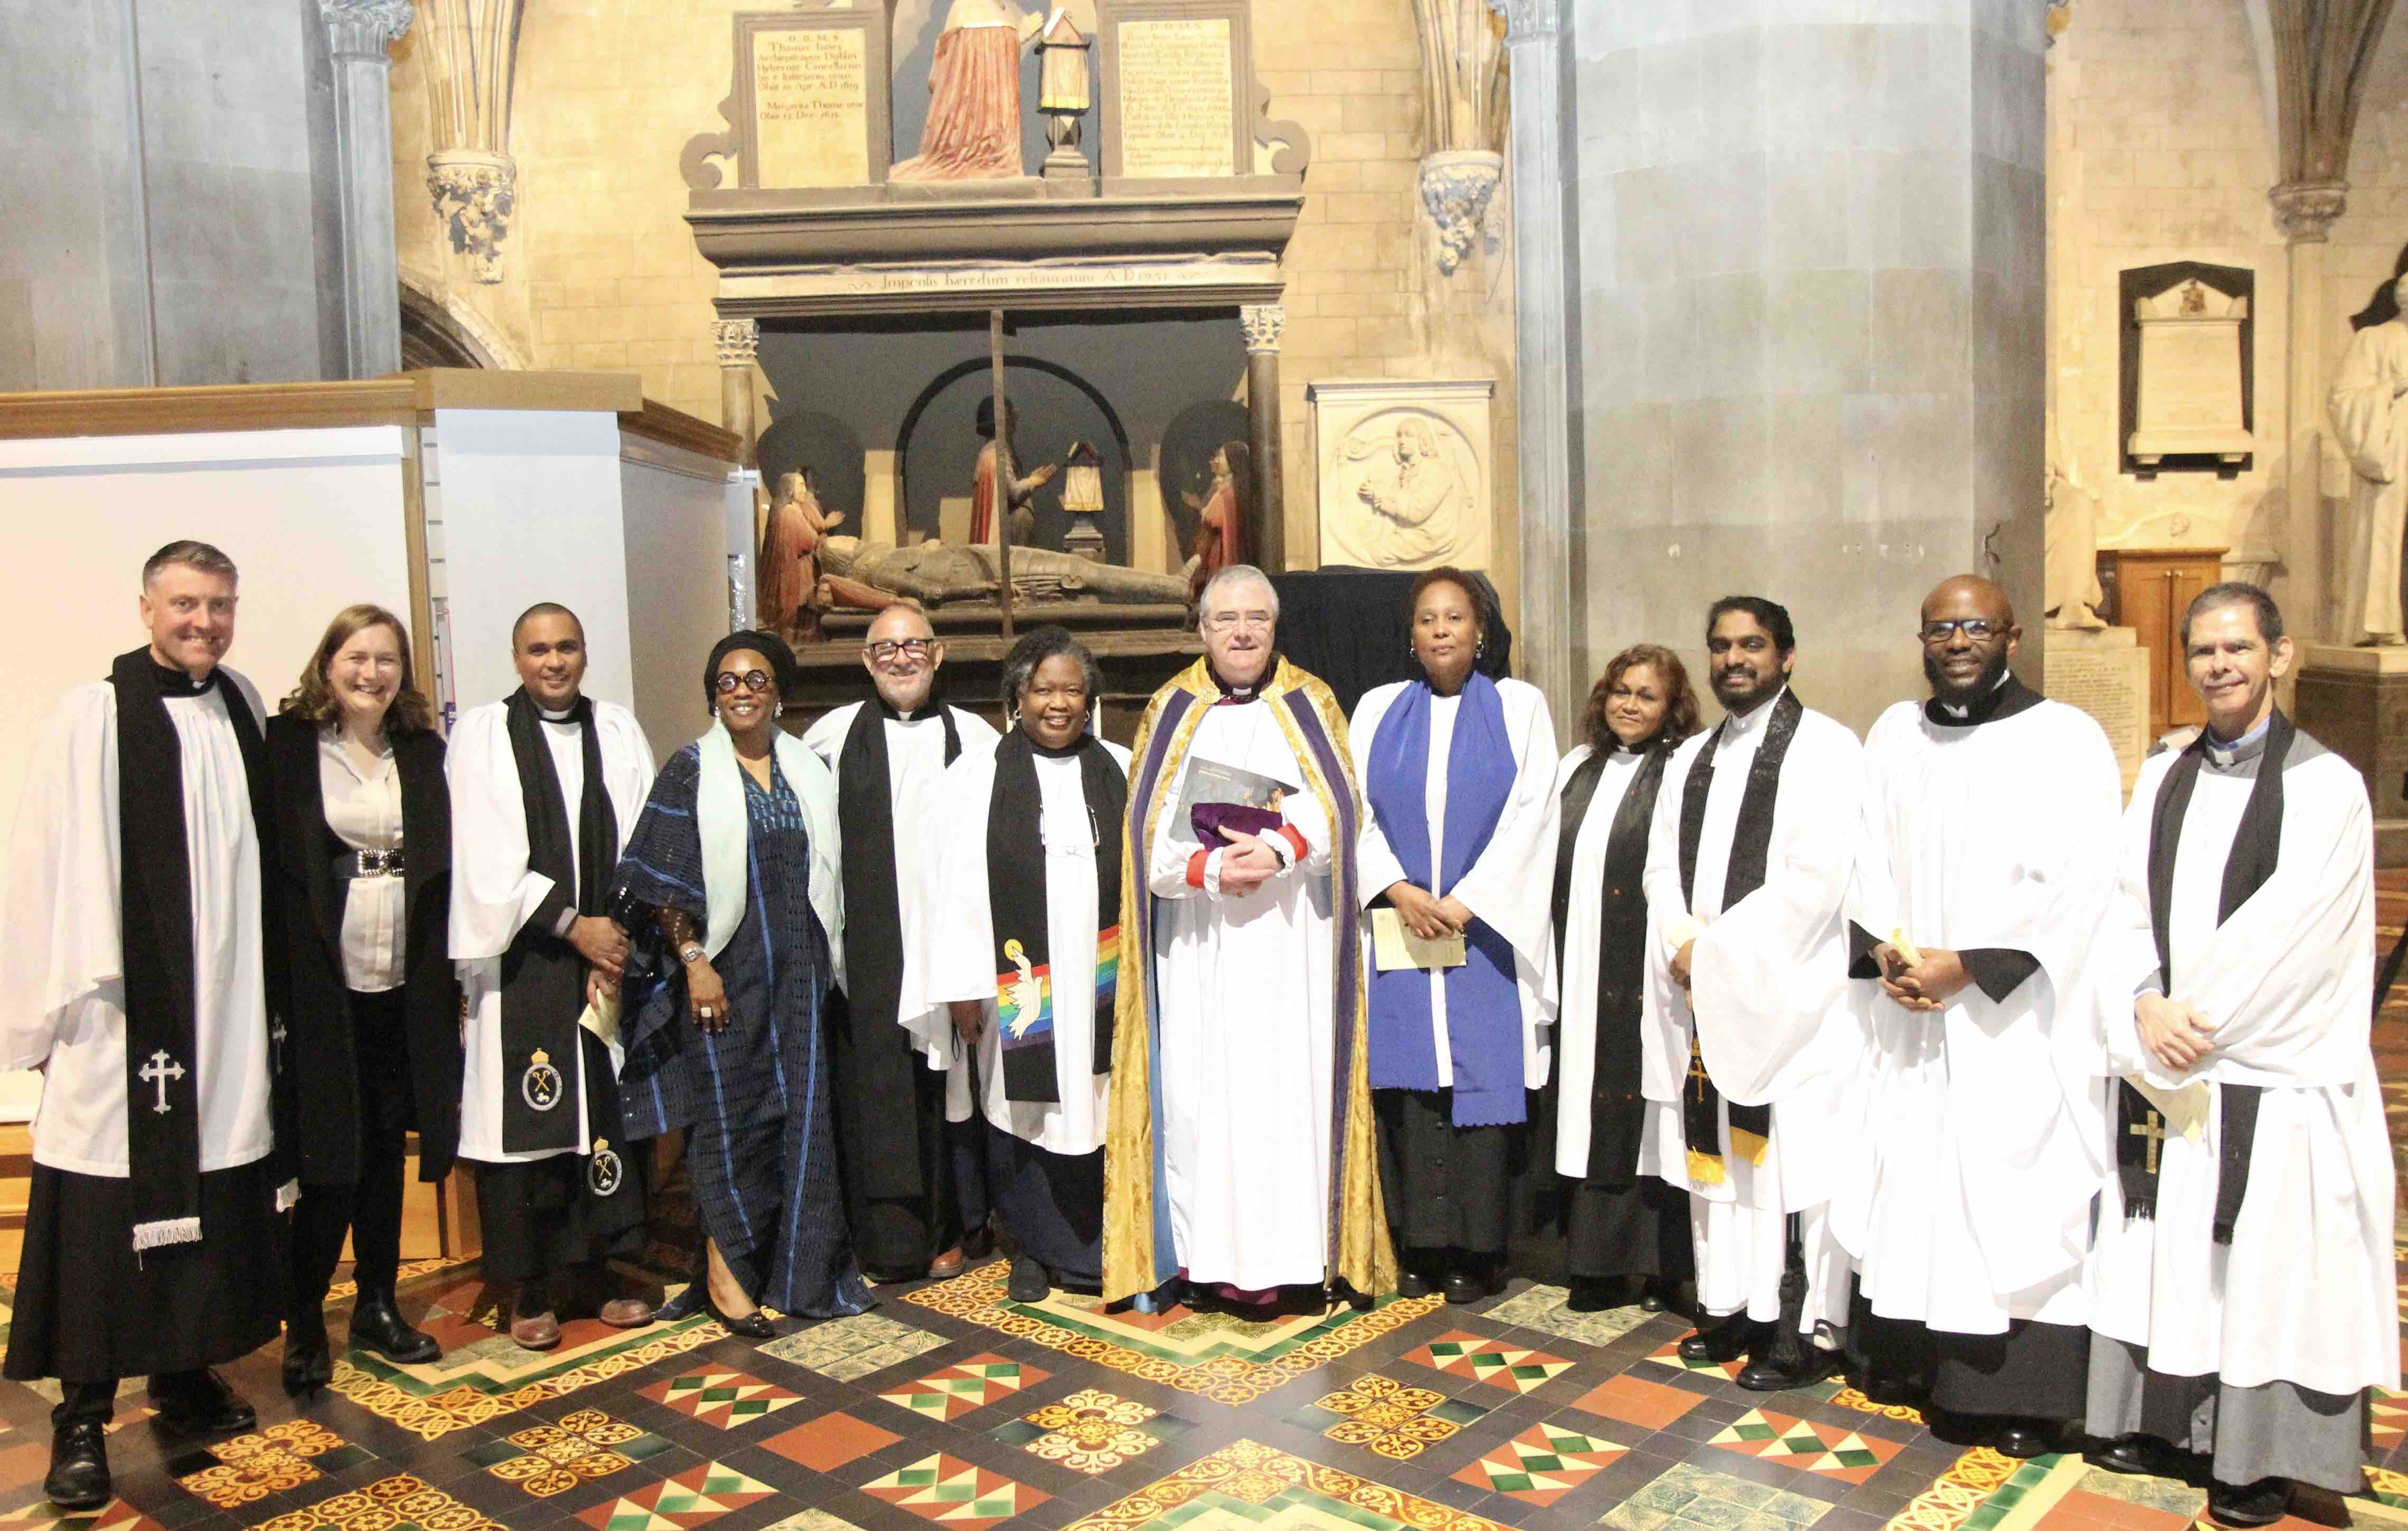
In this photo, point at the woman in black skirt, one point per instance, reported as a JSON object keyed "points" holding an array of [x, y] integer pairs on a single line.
{"points": [[363, 839], [1628, 1233]]}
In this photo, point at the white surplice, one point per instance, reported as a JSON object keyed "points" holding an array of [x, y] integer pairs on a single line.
{"points": [[2304, 1293], [1768, 1005], [1244, 991], [1583, 920], [63, 992], [1510, 883], [493, 891], [955, 955], [1983, 1149], [915, 759]]}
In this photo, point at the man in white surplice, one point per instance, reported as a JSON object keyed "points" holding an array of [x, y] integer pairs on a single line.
{"points": [[554, 1194], [133, 902], [2242, 1288], [1749, 1041], [1991, 817]]}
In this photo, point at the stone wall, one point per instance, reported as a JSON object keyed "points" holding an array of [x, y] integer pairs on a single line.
{"points": [[599, 270], [173, 222]]}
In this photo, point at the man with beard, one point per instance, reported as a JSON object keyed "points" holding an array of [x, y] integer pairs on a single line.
{"points": [[914, 1191], [1748, 1043], [1990, 818]]}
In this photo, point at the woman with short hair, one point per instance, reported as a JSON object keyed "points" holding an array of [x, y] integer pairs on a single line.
{"points": [[1622, 1227], [732, 888], [362, 837], [1023, 942]]}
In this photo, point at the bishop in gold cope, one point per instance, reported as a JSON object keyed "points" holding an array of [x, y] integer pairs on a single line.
{"points": [[2241, 1295]]}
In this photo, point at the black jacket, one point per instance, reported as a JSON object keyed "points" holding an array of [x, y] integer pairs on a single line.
{"points": [[312, 941]]}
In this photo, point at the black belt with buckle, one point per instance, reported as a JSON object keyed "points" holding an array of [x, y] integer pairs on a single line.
{"points": [[351, 864]]}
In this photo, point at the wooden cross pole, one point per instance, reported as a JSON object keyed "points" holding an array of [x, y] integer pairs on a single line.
{"points": [[1003, 471]]}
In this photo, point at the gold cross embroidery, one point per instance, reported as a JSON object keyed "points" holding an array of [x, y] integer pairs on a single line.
{"points": [[2153, 1131], [1697, 1069]]}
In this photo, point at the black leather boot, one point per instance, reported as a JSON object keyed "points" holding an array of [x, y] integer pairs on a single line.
{"points": [[377, 1324], [200, 1403], [78, 1475], [309, 1358]]}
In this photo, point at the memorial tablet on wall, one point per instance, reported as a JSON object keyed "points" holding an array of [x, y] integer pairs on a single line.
{"points": [[1178, 97], [812, 98], [2187, 369]]}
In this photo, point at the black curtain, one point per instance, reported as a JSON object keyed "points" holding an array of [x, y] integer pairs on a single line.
{"points": [[1353, 628]]}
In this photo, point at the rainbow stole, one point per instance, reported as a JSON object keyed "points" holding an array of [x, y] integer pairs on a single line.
{"points": [[1015, 992]]}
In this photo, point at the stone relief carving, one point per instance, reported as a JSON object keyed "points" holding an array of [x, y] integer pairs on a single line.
{"points": [[1263, 324], [475, 195], [1404, 472], [1457, 187], [738, 340], [470, 56], [365, 26]]}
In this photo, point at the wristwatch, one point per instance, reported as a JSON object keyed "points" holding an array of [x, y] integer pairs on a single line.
{"points": [[691, 952]]}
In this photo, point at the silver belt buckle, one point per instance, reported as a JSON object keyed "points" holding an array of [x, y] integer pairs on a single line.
{"points": [[373, 863]]}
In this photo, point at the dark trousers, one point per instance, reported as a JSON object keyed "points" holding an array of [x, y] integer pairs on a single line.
{"points": [[95, 1403], [368, 1209]]}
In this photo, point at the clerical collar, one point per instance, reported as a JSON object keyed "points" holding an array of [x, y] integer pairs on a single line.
{"points": [[548, 715], [1754, 718], [2003, 700], [2246, 747], [1239, 696], [1049, 752], [175, 682], [933, 707]]}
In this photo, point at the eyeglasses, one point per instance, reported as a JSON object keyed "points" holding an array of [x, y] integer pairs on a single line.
{"points": [[1223, 621], [1979, 629], [886, 648], [750, 681]]}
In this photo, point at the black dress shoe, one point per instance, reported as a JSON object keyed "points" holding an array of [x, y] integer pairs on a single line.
{"points": [[1728, 1340], [78, 1475], [1812, 1365], [205, 1407], [2023, 1439], [377, 1324], [1413, 1283], [1651, 1300], [2261, 1503], [1589, 1294], [753, 1325], [1462, 1287], [309, 1358], [1029, 1282], [2134, 1455]]}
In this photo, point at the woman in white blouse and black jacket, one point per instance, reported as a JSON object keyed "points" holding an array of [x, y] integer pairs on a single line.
{"points": [[362, 839]]}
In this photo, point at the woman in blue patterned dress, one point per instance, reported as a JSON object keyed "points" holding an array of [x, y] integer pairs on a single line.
{"points": [[731, 875]]}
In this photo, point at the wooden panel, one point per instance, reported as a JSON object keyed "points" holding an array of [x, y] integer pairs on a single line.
{"points": [[2148, 590], [481, 388], [676, 428], [245, 407]]}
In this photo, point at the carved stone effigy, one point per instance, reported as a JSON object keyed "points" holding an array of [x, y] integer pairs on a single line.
{"points": [[935, 573]]}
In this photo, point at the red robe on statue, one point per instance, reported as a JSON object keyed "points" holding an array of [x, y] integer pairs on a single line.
{"points": [[973, 127]]}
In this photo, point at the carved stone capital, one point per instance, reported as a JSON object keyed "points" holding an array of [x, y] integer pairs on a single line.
{"points": [[1527, 19], [740, 340], [2305, 210], [1457, 186], [474, 194], [1263, 322], [365, 28]]}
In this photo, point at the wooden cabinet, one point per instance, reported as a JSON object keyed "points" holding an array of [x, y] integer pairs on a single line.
{"points": [[2148, 589]]}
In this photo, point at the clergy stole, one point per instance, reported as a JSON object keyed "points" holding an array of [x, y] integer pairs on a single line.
{"points": [[1484, 1002], [163, 1087], [543, 977], [2256, 846], [1025, 979], [1621, 938], [881, 1061], [1751, 1126]]}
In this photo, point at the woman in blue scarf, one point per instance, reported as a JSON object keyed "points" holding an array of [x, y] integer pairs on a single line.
{"points": [[736, 862], [1459, 842]]}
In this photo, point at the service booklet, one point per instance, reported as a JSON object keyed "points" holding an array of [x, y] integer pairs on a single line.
{"points": [[1394, 946]]}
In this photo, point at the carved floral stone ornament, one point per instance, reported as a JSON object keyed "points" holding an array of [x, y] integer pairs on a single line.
{"points": [[2305, 210], [1457, 187], [1263, 323], [365, 26], [738, 340], [474, 194]]}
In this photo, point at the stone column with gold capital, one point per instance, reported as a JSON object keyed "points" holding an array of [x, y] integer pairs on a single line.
{"points": [[2305, 210], [1264, 322], [739, 345], [359, 32]]}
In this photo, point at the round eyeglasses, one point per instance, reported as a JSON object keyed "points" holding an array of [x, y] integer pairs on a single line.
{"points": [[750, 681]]}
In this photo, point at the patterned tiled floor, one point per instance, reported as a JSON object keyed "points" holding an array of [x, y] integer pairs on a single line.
{"points": [[953, 1407]]}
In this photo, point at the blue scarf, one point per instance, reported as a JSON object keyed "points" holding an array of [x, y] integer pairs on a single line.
{"points": [[1483, 1005]]}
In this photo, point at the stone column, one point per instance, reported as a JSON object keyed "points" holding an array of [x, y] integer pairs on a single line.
{"points": [[2305, 212], [1263, 323], [1812, 325], [1543, 396], [739, 343], [359, 32]]}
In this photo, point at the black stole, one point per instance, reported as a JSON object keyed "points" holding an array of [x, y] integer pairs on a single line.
{"points": [[1621, 948], [543, 977], [1015, 886], [1750, 840], [2256, 846], [163, 1087], [877, 1062]]}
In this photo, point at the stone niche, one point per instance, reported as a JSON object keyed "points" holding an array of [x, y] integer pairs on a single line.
{"points": [[2188, 387], [1404, 469]]}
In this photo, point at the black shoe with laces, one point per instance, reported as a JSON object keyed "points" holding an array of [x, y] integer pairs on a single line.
{"points": [[1728, 1340], [377, 1324], [2261, 1503], [78, 1475]]}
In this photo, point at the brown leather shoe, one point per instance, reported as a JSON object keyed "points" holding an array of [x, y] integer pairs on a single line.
{"points": [[540, 1332], [947, 1266], [625, 1312]]}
